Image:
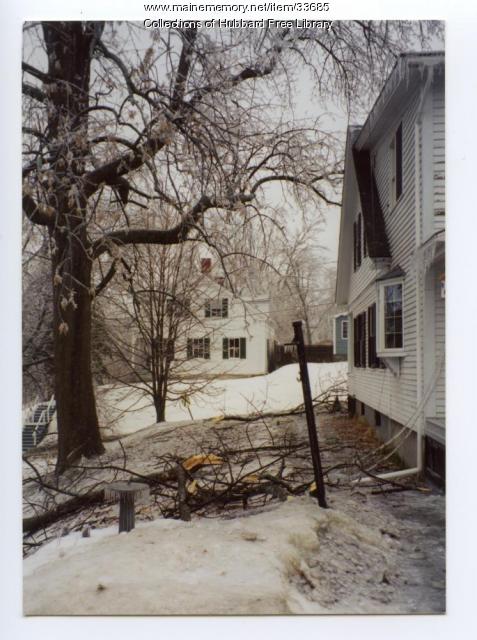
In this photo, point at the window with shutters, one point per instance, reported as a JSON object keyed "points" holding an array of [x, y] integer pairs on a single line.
{"points": [[157, 350], [217, 308], [178, 307], [390, 321], [198, 348], [359, 338], [373, 361], [395, 151], [234, 348], [357, 242]]}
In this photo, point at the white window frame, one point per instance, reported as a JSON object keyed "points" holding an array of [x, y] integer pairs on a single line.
{"points": [[216, 308], [382, 351], [343, 323], [198, 349], [234, 351], [233, 347]]}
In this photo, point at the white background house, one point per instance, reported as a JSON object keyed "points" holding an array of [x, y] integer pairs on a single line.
{"points": [[233, 335], [391, 268]]}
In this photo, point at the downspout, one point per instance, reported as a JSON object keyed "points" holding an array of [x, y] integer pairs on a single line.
{"points": [[418, 235]]}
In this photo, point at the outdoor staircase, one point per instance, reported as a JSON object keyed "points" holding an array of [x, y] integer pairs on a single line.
{"points": [[36, 425]]}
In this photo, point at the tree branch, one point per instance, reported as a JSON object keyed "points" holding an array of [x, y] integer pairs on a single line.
{"points": [[44, 77], [174, 235], [33, 92], [35, 214], [298, 182]]}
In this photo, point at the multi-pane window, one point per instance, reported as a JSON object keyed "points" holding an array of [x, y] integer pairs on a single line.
{"points": [[217, 308], [234, 348], [178, 306], [393, 316], [344, 329], [198, 348], [390, 318], [359, 334], [396, 166], [153, 350], [163, 348]]}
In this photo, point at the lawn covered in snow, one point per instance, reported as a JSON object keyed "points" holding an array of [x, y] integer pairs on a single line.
{"points": [[124, 410]]}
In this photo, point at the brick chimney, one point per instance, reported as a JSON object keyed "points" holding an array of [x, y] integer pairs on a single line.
{"points": [[205, 265]]}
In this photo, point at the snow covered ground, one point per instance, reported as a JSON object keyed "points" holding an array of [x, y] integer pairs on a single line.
{"points": [[125, 410], [366, 554], [266, 563]]}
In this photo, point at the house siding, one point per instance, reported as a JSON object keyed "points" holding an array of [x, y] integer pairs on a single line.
{"points": [[440, 397], [410, 390], [391, 394], [438, 151], [247, 320]]}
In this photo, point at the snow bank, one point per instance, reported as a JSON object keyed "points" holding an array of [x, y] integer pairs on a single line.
{"points": [[264, 563], [125, 410]]}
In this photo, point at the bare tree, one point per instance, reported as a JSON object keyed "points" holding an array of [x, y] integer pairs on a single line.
{"points": [[149, 318], [188, 120], [37, 347]]}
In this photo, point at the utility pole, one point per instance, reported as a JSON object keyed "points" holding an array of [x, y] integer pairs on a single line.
{"points": [[310, 415]]}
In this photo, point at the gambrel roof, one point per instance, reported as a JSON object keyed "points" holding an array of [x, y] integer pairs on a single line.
{"points": [[359, 183]]}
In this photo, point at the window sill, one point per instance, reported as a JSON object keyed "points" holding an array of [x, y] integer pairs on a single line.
{"points": [[392, 353]]}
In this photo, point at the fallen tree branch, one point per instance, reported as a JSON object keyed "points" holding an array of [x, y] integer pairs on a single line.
{"points": [[80, 501]]}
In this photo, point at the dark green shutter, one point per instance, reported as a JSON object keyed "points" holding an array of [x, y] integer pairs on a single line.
{"points": [[243, 349], [207, 309], [363, 339], [398, 151], [189, 348], [170, 349], [358, 241], [207, 348], [225, 307], [356, 341], [355, 262], [225, 348], [373, 360]]}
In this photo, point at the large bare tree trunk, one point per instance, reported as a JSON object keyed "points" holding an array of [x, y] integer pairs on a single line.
{"points": [[78, 429], [69, 47]]}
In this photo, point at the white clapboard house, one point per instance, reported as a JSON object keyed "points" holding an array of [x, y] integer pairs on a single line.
{"points": [[234, 335], [391, 265]]}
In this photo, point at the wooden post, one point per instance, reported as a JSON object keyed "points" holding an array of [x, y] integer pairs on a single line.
{"points": [[127, 520], [127, 492], [310, 415], [184, 510]]}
